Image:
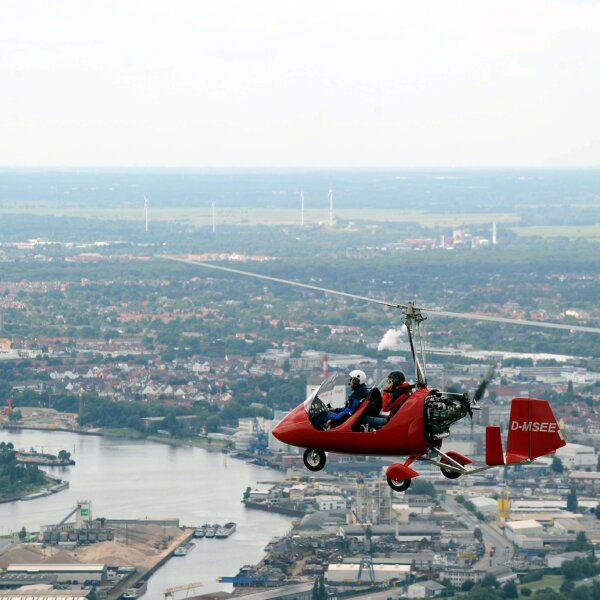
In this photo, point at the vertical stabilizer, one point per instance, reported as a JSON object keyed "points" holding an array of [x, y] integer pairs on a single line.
{"points": [[532, 430]]}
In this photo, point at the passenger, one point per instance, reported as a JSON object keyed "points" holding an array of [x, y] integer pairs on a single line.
{"points": [[395, 393], [336, 416]]}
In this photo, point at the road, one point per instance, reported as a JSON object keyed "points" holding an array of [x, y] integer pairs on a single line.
{"points": [[491, 537]]}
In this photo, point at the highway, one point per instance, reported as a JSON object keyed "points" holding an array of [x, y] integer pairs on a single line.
{"points": [[491, 537]]}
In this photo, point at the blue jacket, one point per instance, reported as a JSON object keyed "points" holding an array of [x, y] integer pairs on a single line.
{"points": [[352, 403]]}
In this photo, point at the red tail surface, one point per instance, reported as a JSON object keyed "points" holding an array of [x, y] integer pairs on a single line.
{"points": [[532, 430]]}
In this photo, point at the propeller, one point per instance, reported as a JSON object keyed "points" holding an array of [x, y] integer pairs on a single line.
{"points": [[409, 309], [471, 404], [480, 391]]}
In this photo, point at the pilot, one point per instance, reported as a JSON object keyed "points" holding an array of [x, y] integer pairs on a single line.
{"points": [[395, 393], [357, 381]]}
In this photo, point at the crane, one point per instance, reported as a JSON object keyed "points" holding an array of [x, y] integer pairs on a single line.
{"points": [[172, 591], [366, 562], [57, 526]]}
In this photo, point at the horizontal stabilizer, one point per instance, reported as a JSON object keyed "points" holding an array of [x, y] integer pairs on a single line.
{"points": [[532, 430]]}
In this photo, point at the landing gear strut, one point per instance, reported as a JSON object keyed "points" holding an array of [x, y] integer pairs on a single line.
{"points": [[314, 460]]}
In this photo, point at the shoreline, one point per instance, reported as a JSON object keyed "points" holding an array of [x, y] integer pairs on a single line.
{"points": [[162, 572], [57, 484], [211, 446]]}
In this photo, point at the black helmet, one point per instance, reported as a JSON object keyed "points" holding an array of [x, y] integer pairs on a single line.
{"points": [[397, 377]]}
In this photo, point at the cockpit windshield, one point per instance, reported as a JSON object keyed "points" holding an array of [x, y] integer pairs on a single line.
{"points": [[321, 396]]}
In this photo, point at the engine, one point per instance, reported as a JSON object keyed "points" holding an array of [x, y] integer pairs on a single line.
{"points": [[442, 411]]}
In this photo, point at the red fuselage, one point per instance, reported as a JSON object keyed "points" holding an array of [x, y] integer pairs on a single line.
{"points": [[403, 435]]}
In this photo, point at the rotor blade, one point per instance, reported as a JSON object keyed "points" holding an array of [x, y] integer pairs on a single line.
{"points": [[475, 317], [443, 313], [191, 261]]}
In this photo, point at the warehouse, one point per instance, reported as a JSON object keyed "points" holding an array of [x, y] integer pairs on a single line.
{"points": [[73, 573], [348, 573]]}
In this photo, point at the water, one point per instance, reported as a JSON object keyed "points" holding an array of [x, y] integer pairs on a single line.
{"points": [[131, 479]]}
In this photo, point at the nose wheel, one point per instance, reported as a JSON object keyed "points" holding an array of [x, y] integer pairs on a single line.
{"points": [[399, 486], [314, 460]]}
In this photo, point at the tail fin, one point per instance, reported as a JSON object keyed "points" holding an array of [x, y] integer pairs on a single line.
{"points": [[532, 430]]}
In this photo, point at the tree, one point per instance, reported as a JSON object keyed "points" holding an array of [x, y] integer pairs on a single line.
{"points": [[567, 586], [14, 416], [23, 533], [319, 591], [477, 534], [526, 592], [572, 500], [423, 487], [64, 456], [489, 581], [510, 590], [557, 466]]}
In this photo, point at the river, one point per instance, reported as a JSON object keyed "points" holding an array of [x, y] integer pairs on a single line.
{"points": [[138, 479]]}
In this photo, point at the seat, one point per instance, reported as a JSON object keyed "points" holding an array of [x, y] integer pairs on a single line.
{"points": [[370, 419]]}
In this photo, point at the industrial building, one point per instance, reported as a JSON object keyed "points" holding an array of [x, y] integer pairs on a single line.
{"points": [[425, 589], [577, 456], [43, 592], [383, 573], [76, 572], [525, 534]]}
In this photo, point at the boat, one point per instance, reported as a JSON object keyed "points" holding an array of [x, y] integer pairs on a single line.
{"points": [[139, 589], [226, 530], [200, 532], [210, 531], [231, 527], [180, 551]]}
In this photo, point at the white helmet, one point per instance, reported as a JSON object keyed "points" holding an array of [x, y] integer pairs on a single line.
{"points": [[357, 374]]}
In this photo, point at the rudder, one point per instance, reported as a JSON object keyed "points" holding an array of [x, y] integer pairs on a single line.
{"points": [[533, 430]]}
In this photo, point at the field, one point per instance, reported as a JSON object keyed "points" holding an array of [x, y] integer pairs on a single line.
{"points": [[548, 581], [201, 216], [568, 231]]}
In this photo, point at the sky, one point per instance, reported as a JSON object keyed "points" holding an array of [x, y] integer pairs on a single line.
{"points": [[232, 83]]}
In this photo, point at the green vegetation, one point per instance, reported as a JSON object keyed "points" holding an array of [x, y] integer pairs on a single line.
{"points": [[202, 216], [17, 479], [564, 231], [546, 581], [424, 487], [470, 507]]}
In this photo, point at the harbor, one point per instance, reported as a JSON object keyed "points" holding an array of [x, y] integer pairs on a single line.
{"points": [[140, 489]]}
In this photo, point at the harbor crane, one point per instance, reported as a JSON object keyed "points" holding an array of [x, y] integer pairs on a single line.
{"points": [[58, 525], [187, 588], [366, 562]]}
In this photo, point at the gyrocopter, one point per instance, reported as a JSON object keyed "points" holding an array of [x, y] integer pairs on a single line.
{"points": [[417, 430]]}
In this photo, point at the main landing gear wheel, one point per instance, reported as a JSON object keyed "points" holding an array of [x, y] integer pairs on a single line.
{"points": [[314, 460], [450, 473], [399, 486]]}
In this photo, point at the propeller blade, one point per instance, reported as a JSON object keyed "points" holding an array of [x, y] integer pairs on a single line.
{"points": [[443, 313], [480, 391]]}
